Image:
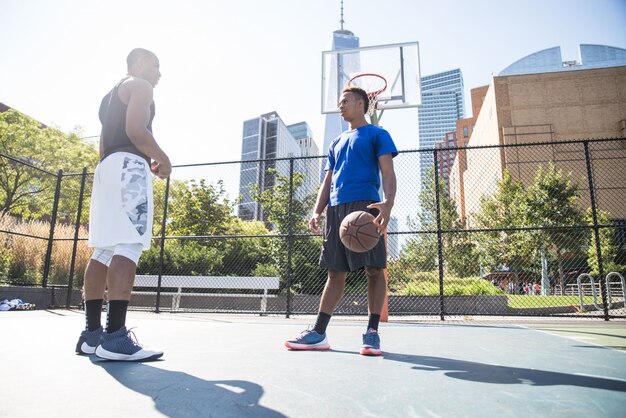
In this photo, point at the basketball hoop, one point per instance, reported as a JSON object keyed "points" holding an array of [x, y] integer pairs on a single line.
{"points": [[373, 84]]}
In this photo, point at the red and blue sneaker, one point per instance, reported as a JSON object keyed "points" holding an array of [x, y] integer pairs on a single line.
{"points": [[308, 340], [371, 343]]}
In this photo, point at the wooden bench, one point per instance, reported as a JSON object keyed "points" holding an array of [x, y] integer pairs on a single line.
{"points": [[207, 282]]}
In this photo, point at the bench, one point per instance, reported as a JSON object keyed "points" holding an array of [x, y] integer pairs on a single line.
{"points": [[207, 282]]}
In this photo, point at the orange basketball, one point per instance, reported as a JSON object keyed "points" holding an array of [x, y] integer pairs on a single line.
{"points": [[358, 232]]}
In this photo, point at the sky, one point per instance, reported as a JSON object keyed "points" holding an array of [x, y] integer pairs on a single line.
{"points": [[224, 62]]}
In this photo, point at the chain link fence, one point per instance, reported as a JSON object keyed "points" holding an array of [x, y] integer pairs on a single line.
{"points": [[534, 229]]}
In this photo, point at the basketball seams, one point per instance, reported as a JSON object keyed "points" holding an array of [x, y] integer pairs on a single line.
{"points": [[356, 233]]}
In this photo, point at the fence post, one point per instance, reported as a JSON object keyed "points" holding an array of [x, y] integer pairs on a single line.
{"points": [[596, 230], [162, 249], [289, 239], [70, 280], [439, 237], [53, 221]]}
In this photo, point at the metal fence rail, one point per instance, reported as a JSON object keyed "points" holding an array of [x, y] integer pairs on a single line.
{"points": [[497, 230]]}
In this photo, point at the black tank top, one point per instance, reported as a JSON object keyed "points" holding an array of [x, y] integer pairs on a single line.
{"points": [[113, 119]]}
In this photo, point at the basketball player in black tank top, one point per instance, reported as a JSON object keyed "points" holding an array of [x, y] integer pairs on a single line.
{"points": [[126, 113]]}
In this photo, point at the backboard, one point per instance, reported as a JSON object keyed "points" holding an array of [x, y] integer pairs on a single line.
{"points": [[397, 63]]}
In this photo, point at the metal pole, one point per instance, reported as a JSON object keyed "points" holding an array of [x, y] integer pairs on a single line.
{"points": [[70, 281], [53, 221], [162, 250], [439, 238], [596, 230], [290, 238]]}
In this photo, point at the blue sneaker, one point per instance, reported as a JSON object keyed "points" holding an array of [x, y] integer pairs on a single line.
{"points": [[308, 340], [371, 343], [88, 341], [122, 345]]}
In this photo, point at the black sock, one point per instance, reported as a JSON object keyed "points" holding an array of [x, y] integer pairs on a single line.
{"points": [[93, 312], [322, 322], [373, 322], [116, 315]]}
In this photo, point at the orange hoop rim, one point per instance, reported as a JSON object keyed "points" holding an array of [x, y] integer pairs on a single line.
{"points": [[371, 94]]}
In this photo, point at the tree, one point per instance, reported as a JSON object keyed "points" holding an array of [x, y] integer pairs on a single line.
{"points": [[608, 246], [243, 255], [553, 201], [306, 273], [200, 209], [27, 192], [502, 247], [421, 251]]}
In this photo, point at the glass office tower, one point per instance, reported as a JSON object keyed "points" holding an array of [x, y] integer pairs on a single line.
{"points": [[264, 137], [442, 105], [303, 136]]}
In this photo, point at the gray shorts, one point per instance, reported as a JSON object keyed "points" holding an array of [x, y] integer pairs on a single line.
{"points": [[335, 255]]}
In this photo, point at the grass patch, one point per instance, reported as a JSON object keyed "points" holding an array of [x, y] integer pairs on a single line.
{"points": [[537, 301]]}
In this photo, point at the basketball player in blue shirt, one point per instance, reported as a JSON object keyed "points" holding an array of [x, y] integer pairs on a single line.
{"points": [[352, 182]]}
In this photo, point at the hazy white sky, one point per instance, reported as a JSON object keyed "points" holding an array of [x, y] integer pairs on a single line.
{"points": [[227, 61]]}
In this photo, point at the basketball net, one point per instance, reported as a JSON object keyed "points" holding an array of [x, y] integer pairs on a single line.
{"points": [[374, 85]]}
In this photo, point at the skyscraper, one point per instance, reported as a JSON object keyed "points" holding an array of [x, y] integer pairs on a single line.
{"points": [[442, 105], [264, 137], [335, 125], [303, 136]]}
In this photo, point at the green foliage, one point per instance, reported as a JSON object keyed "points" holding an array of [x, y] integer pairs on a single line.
{"points": [[200, 209], [504, 209], [265, 270], [5, 263], [181, 258], [459, 251], [29, 193], [608, 246], [552, 200], [290, 216], [427, 284], [241, 256]]}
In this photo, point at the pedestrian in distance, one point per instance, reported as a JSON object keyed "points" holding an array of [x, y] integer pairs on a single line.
{"points": [[121, 212], [356, 160]]}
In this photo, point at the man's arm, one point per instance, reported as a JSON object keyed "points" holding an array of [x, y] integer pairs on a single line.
{"points": [[389, 189], [140, 94], [322, 201]]}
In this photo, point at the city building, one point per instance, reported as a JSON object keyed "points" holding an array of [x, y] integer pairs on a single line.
{"points": [[393, 240], [303, 136], [446, 153], [553, 106], [334, 124], [264, 137], [442, 105], [550, 60], [464, 129]]}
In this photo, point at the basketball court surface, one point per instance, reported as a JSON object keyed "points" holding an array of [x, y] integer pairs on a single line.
{"points": [[237, 366]]}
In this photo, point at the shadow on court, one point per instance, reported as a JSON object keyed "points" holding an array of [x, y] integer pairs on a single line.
{"points": [[178, 394], [504, 375]]}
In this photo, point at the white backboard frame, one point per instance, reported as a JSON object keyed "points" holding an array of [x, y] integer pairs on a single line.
{"points": [[398, 63]]}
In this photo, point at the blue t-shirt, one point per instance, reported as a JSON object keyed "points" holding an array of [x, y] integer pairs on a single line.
{"points": [[353, 159]]}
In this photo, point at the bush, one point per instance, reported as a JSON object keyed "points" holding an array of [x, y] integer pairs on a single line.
{"points": [[427, 284], [27, 254], [186, 258], [62, 256]]}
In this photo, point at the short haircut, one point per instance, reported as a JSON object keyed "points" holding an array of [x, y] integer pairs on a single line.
{"points": [[136, 54], [360, 92]]}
